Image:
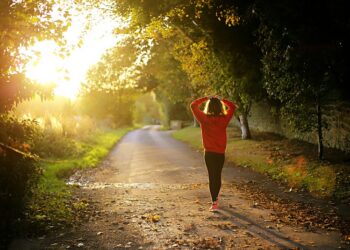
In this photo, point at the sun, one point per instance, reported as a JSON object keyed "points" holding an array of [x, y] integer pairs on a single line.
{"points": [[48, 68], [45, 68], [67, 73]]}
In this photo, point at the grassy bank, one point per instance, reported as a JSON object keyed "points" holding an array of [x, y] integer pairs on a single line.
{"points": [[289, 161], [52, 202], [94, 148]]}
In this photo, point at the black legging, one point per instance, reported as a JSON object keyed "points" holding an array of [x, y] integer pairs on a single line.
{"points": [[214, 162]]}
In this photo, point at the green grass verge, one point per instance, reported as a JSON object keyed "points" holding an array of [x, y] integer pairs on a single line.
{"points": [[190, 135], [52, 202], [96, 147], [281, 160]]}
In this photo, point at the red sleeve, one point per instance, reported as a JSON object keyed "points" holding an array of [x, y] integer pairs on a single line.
{"points": [[200, 116], [231, 108]]}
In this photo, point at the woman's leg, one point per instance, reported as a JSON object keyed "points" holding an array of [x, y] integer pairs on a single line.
{"points": [[214, 163]]}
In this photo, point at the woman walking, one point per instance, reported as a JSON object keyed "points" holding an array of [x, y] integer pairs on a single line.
{"points": [[213, 121]]}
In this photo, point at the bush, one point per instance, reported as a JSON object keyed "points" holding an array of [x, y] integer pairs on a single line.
{"points": [[18, 174], [17, 133], [19, 171], [51, 144]]}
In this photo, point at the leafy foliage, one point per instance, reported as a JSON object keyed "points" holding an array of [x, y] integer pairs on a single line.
{"points": [[109, 90], [19, 171], [50, 144], [146, 110], [114, 108], [303, 62], [173, 88], [17, 133], [22, 23], [216, 57]]}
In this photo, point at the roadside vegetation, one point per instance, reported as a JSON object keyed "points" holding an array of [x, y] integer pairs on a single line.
{"points": [[91, 149], [45, 142], [165, 54], [53, 203], [289, 161]]}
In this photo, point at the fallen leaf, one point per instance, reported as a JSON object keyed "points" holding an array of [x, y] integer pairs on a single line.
{"points": [[155, 218]]}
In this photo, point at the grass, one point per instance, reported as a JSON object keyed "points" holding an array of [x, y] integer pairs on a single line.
{"points": [[292, 162], [52, 202], [190, 135], [96, 147]]}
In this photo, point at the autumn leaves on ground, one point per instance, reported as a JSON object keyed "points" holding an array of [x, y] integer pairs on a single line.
{"points": [[78, 77], [151, 192]]}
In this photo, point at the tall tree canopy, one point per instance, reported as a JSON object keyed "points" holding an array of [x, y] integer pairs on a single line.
{"points": [[305, 53], [22, 24], [214, 47], [294, 52]]}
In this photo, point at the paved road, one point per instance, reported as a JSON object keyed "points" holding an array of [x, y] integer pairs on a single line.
{"points": [[160, 173], [151, 156], [151, 192]]}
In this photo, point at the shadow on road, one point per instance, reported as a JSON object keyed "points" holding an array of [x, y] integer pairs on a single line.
{"points": [[257, 230]]}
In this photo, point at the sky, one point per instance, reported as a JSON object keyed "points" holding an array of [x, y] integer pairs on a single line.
{"points": [[47, 67]]}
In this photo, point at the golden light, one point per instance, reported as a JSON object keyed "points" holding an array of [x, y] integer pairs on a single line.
{"points": [[47, 67]]}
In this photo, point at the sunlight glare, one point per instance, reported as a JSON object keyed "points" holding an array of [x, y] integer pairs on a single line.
{"points": [[47, 66], [68, 73]]}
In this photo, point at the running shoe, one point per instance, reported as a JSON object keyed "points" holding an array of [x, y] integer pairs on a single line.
{"points": [[214, 206]]}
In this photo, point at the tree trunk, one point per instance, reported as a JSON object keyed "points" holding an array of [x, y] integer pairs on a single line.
{"points": [[243, 120], [319, 131]]}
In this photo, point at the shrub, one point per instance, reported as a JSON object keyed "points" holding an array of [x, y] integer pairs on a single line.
{"points": [[51, 144], [19, 171], [15, 132]]}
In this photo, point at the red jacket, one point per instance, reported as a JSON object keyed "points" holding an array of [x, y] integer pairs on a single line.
{"points": [[213, 128]]}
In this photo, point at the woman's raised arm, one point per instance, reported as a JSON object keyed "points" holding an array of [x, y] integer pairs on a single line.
{"points": [[200, 116], [231, 108]]}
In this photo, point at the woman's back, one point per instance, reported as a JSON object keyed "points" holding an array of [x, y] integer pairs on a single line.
{"points": [[213, 127]]}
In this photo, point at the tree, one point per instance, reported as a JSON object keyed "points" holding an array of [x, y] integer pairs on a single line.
{"points": [[226, 72], [217, 57], [146, 110], [297, 47], [172, 88], [230, 57], [304, 58], [109, 90], [23, 23]]}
